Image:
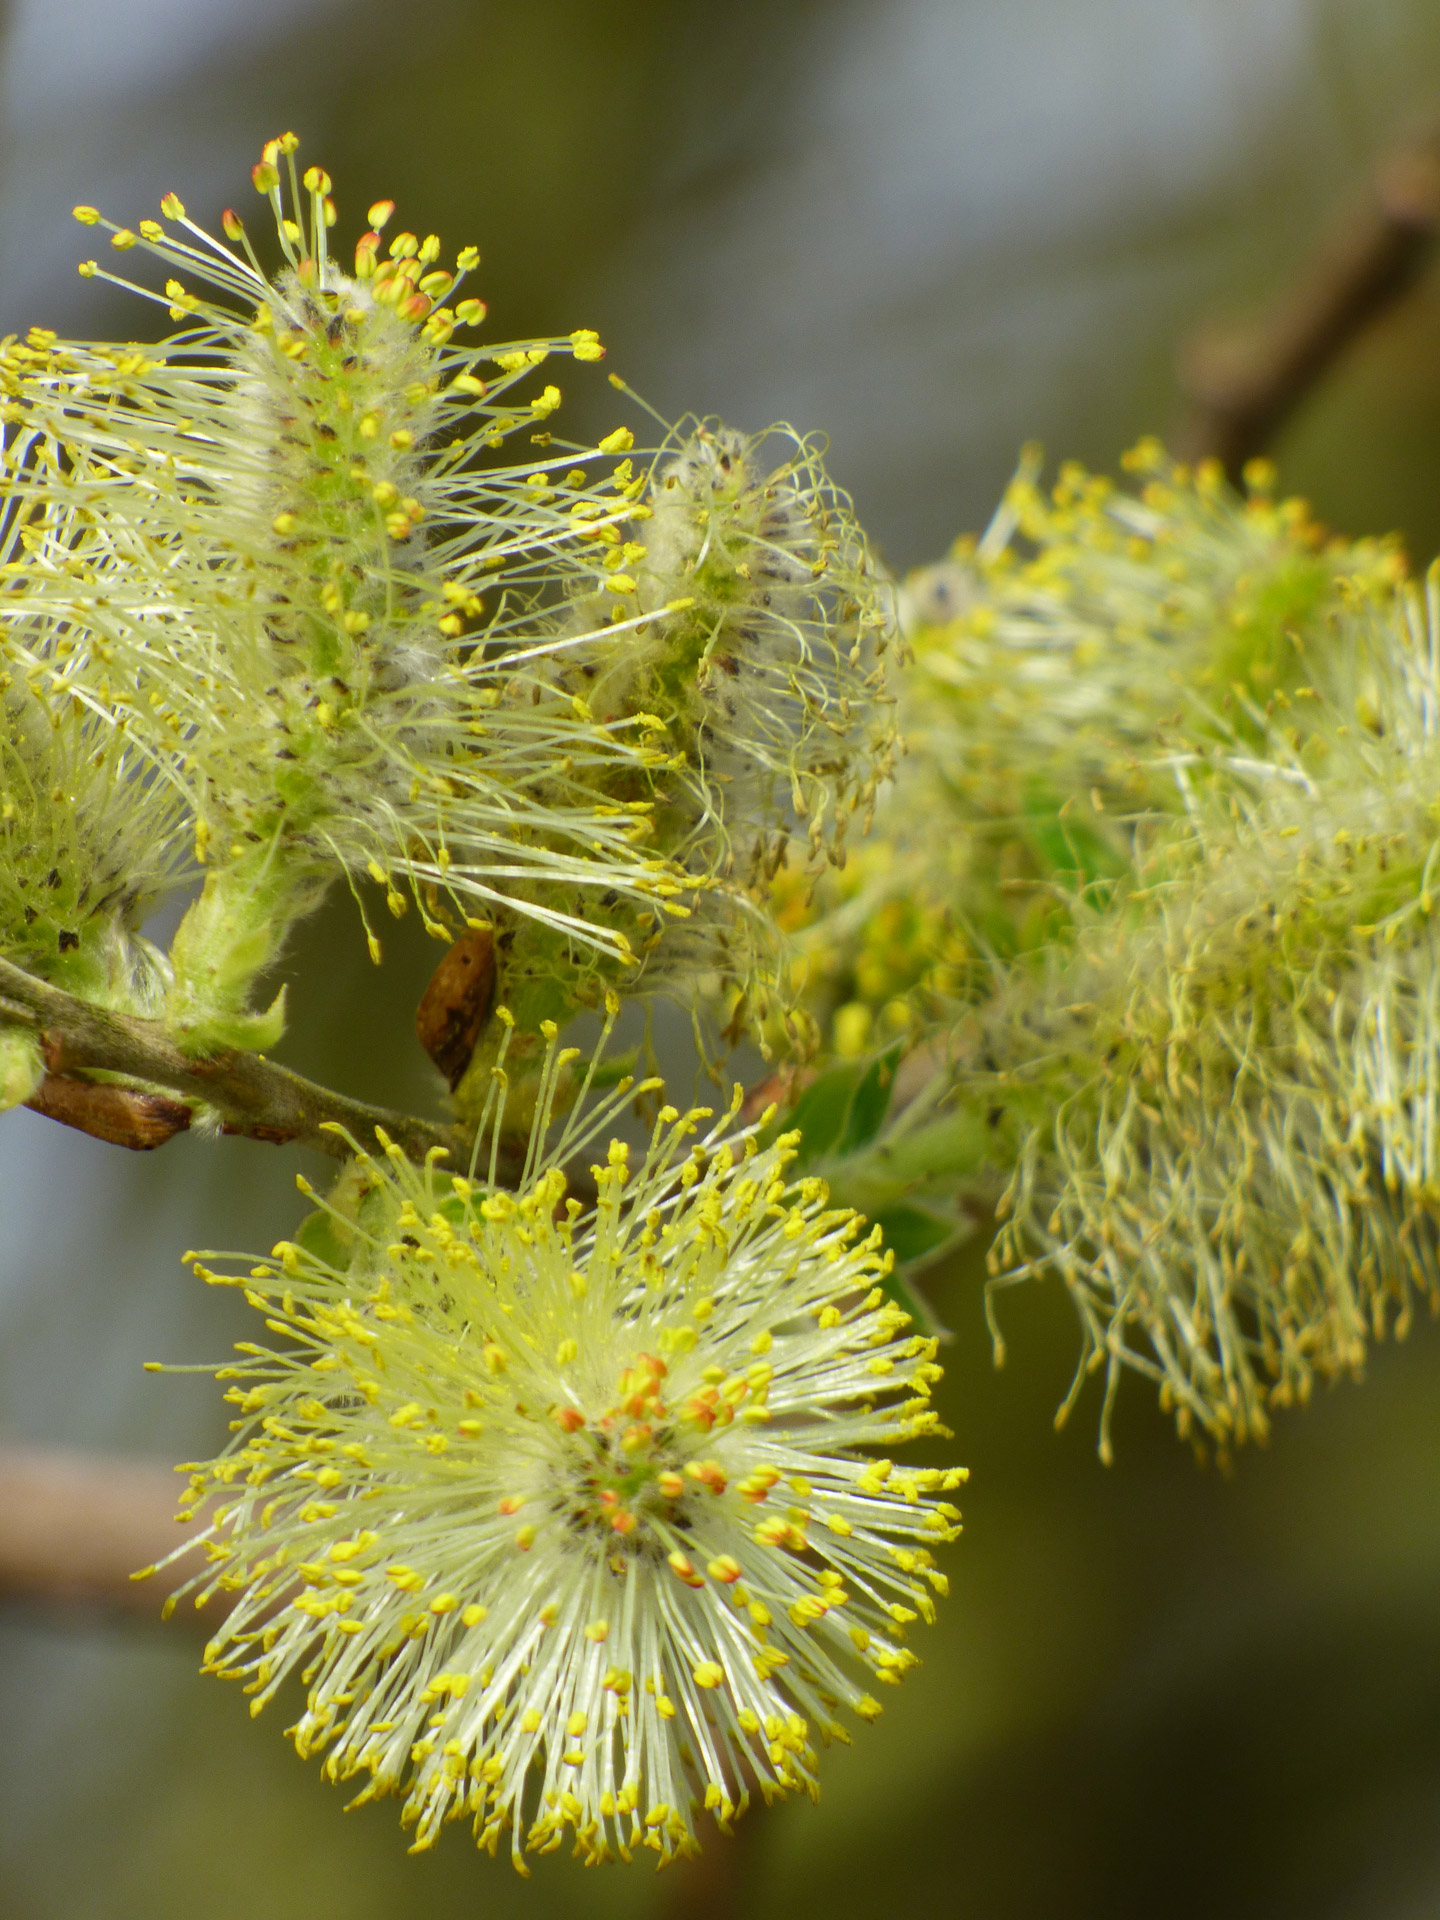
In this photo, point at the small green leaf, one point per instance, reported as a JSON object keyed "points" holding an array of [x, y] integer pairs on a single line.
{"points": [[317, 1235], [612, 1071], [901, 1288], [821, 1112], [951, 1146], [455, 1211], [913, 1233], [870, 1102]]}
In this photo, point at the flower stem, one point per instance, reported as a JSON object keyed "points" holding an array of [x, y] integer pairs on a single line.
{"points": [[247, 1093]]}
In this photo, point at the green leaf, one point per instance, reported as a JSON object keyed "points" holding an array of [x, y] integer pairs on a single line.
{"points": [[821, 1112], [870, 1102], [952, 1146], [455, 1211], [842, 1111], [901, 1288], [612, 1071], [318, 1236], [913, 1233]]}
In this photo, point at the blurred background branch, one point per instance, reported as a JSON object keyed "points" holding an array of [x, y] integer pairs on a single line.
{"points": [[75, 1526], [1244, 384]]}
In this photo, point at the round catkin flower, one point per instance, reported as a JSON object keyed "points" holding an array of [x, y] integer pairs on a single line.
{"points": [[566, 1519], [757, 628]]}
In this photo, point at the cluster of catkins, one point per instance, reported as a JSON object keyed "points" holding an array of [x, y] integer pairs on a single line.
{"points": [[574, 1516], [1173, 960], [569, 1517], [276, 610]]}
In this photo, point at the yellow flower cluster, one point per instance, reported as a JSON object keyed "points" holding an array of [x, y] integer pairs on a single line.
{"points": [[276, 553], [577, 1522], [1066, 665], [763, 638]]}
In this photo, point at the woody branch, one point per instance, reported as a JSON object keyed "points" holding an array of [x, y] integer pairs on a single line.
{"points": [[248, 1094], [1243, 385]]}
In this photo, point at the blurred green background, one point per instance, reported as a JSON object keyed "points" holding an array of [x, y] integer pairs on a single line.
{"points": [[933, 228]]}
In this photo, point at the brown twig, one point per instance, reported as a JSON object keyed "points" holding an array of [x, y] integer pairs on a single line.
{"points": [[122, 1115], [249, 1094], [74, 1528], [1243, 386]]}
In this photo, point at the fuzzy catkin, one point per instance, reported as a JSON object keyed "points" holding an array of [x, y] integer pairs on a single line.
{"points": [[774, 672], [572, 1524], [275, 551], [1065, 667], [763, 628], [91, 842], [1221, 1098]]}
